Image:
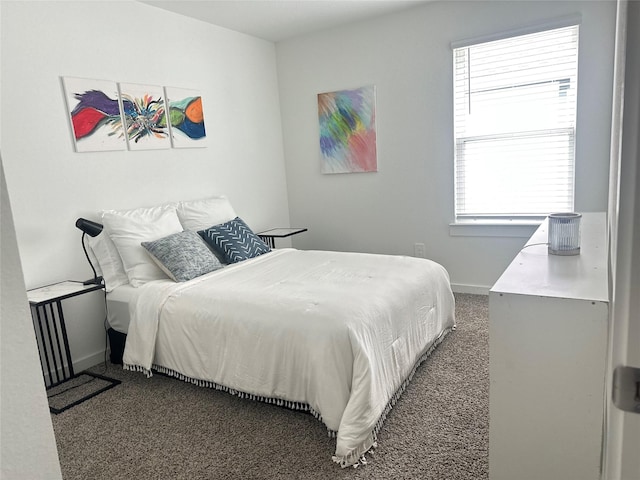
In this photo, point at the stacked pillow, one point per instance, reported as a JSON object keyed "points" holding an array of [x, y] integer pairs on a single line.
{"points": [[108, 263], [234, 241], [198, 214], [182, 256], [129, 228], [145, 244]]}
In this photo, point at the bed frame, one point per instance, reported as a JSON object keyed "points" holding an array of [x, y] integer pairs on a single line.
{"points": [[116, 344]]}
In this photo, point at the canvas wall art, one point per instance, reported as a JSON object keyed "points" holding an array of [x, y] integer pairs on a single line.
{"points": [[186, 117], [145, 116], [348, 130], [94, 113]]}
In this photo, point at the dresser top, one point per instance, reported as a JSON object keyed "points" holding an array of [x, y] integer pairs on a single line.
{"points": [[534, 271]]}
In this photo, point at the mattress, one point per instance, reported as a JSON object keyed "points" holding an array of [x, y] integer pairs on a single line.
{"points": [[118, 301]]}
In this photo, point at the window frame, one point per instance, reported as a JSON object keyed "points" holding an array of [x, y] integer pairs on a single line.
{"points": [[509, 225]]}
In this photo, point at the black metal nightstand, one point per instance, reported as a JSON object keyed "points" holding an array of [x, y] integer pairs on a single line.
{"points": [[51, 335], [269, 236]]}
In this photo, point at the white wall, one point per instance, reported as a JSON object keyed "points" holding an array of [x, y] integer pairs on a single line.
{"points": [[27, 445], [410, 199], [50, 185]]}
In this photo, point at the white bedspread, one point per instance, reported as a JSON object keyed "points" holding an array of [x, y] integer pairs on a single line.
{"points": [[339, 332]]}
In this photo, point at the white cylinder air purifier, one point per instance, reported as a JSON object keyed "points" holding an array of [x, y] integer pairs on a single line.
{"points": [[564, 233]]}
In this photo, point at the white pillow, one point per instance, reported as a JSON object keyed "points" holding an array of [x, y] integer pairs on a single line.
{"points": [[129, 228], [204, 213], [109, 261]]}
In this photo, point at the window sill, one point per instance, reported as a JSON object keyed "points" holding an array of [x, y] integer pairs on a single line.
{"points": [[494, 228]]}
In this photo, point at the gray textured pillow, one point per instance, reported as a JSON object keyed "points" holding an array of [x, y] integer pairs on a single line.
{"points": [[183, 256]]}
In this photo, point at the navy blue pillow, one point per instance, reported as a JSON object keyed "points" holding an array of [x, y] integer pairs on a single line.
{"points": [[234, 241]]}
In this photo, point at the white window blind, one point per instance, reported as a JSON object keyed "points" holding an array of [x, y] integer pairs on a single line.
{"points": [[514, 111]]}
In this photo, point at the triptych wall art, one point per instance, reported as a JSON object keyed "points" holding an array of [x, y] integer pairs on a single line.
{"points": [[348, 130], [106, 115]]}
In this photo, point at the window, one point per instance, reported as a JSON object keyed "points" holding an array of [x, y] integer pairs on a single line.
{"points": [[514, 115]]}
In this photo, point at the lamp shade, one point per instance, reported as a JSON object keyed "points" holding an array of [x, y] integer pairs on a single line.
{"points": [[92, 229], [564, 233]]}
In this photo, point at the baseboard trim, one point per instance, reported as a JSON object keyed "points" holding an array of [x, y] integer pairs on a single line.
{"points": [[78, 366], [473, 289], [90, 361]]}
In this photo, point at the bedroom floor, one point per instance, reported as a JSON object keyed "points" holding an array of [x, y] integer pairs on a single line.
{"points": [[164, 428]]}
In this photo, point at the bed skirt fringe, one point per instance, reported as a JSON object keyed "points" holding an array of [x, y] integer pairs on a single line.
{"points": [[137, 368], [292, 405], [356, 456]]}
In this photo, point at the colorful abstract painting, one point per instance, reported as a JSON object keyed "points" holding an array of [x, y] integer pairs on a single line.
{"points": [[145, 119], [348, 130], [94, 112], [186, 117]]}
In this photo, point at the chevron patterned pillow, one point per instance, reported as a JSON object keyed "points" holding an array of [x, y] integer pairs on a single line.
{"points": [[234, 241]]}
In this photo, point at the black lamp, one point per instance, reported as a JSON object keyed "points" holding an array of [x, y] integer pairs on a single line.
{"points": [[92, 229]]}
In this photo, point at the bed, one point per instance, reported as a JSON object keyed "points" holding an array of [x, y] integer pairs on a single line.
{"points": [[336, 334]]}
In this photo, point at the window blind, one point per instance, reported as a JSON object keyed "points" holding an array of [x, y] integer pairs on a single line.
{"points": [[514, 115]]}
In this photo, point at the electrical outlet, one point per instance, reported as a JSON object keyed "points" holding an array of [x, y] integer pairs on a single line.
{"points": [[419, 250]]}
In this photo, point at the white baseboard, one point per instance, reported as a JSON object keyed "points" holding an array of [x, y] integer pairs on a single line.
{"points": [[473, 289], [80, 365], [89, 361]]}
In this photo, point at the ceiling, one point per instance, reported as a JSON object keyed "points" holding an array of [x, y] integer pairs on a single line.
{"points": [[277, 20]]}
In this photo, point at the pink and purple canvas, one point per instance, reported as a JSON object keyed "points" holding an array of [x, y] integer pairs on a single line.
{"points": [[348, 130], [96, 123]]}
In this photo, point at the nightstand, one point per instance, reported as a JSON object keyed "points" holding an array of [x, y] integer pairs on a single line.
{"points": [[51, 335], [269, 236]]}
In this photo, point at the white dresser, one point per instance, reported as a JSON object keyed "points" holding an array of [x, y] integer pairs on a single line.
{"points": [[548, 344]]}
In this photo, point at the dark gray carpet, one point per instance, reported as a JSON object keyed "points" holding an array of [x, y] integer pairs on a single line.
{"points": [[162, 428], [76, 390]]}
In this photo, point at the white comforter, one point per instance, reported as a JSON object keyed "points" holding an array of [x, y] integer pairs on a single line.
{"points": [[339, 332]]}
